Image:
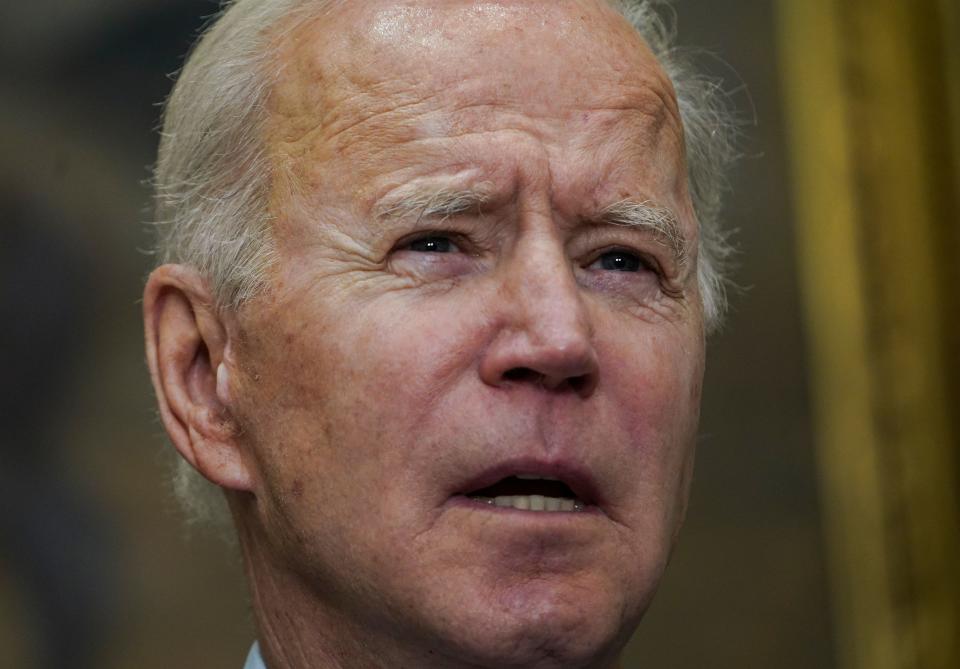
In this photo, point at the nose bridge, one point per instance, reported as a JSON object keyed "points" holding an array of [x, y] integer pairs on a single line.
{"points": [[545, 335], [543, 291]]}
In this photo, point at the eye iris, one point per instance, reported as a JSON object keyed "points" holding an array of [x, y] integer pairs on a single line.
{"points": [[432, 245], [619, 261]]}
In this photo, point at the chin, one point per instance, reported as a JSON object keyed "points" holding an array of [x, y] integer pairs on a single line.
{"points": [[538, 625]]}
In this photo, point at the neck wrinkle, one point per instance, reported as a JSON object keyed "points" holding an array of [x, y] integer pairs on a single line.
{"points": [[296, 629], [282, 640]]}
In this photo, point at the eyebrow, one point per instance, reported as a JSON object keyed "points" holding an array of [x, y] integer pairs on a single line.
{"points": [[661, 221], [432, 203]]}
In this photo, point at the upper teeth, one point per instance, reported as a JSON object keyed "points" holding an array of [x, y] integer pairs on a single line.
{"points": [[533, 502]]}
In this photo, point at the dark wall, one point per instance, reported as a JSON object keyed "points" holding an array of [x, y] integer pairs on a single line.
{"points": [[747, 587]]}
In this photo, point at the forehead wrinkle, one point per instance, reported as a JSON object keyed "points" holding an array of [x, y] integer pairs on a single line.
{"points": [[339, 104], [350, 114], [352, 54], [332, 81], [341, 120]]}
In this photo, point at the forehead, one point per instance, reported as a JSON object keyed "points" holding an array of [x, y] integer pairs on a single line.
{"points": [[392, 72]]}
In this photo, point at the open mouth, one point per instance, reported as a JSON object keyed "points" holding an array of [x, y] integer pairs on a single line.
{"points": [[529, 492]]}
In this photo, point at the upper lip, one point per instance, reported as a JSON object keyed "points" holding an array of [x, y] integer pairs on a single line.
{"points": [[576, 476]]}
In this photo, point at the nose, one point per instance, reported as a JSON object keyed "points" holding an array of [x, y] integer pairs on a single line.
{"points": [[544, 333]]}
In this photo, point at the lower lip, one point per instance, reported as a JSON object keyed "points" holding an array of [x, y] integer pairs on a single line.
{"points": [[462, 501]]}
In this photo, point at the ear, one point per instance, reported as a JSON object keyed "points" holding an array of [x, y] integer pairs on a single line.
{"points": [[188, 348]]}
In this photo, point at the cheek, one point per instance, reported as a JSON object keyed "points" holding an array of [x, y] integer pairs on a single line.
{"points": [[657, 372], [349, 403], [350, 385], [655, 385], [393, 363]]}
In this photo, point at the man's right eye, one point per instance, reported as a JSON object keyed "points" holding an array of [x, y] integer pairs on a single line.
{"points": [[432, 245], [435, 255]]}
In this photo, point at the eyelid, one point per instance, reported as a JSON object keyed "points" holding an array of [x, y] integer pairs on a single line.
{"points": [[601, 238], [648, 260], [460, 241]]}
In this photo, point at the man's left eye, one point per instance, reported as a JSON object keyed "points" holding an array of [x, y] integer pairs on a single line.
{"points": [[432, 245], [618, 261]]}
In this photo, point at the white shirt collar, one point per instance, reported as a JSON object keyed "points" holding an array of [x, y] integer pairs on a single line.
{"points": [[254, 660]]}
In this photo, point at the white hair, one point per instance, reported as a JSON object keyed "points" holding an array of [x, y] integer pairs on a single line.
{"points": [[213, 177]]}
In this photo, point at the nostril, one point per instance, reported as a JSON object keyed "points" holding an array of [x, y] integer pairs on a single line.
{"points": [[521, 374], [579, 383]]}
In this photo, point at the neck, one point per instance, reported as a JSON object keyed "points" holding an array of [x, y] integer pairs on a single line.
{"points": [[300, 626], [294, 629]]}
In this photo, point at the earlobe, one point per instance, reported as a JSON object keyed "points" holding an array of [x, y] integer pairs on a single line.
{"points": [[186, 345]]}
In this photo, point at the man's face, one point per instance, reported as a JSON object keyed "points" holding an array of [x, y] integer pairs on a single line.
{"points": [[453, 306]]}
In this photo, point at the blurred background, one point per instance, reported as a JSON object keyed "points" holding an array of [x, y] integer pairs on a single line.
{"points": [[822, 531]]}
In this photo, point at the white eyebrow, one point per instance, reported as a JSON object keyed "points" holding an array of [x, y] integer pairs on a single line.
{"points": [[660, 220], [432, 202]]}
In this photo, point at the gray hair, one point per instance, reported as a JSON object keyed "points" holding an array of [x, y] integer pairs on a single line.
{"points": [[213, 176]]}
